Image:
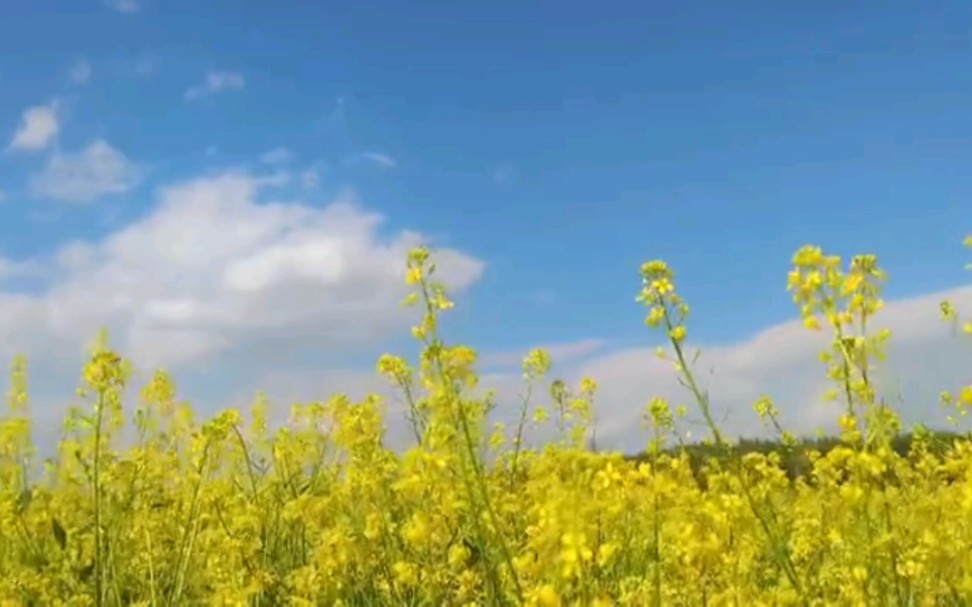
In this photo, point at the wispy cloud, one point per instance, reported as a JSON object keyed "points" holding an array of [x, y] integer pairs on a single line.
{"points": [[39, 126], [277, 156], [97, 170], [124, 6], [383, 160], [80, 73], [216, 82]]}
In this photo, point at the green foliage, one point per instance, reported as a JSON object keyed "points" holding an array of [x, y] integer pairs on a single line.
{"points": [[795, 459]]}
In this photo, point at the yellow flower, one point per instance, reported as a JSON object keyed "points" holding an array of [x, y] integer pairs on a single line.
{"points": [[548, 597], [662, 286], [655, 316], [605, 553], [405, 573], [321, 509]]}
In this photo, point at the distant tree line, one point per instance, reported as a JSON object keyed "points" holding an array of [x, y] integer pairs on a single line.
{"points": [[793, 458]]}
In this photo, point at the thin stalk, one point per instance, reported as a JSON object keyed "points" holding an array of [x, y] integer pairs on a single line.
{"points": [[787, 564], [99, 565], [470, 450]]}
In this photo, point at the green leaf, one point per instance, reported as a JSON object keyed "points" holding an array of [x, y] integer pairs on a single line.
{"points": [[23, 501], [59, 534]]}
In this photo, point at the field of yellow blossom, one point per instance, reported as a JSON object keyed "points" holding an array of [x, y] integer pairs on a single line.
{"points": [[227, 512]]}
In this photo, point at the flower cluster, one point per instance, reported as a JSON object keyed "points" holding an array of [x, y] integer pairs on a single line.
{"points": [[319, 511]]}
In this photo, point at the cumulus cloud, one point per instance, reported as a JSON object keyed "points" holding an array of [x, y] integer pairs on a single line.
{"points": [[8, 268], [924, 357], [215, 82], [97, 170], [216, 269], [222, 281], [38, 128], [235, 290]]}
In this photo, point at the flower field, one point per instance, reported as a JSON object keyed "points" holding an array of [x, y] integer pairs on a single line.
{"points": [[227, 511]]}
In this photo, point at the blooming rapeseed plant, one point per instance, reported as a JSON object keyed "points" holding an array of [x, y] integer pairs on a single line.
{"points": [[230, 511]]}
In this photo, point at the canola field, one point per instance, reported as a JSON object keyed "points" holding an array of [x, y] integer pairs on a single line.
{"points": [[228, 511]]}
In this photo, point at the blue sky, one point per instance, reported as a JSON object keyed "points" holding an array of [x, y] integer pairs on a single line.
{"points": [[557, 145]]}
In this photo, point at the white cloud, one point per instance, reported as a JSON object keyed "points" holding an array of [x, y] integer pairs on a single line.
{"points": [[81, 72], [20, 269], [215, 82], [383, 160], [3, 196], [277, 156], [923, 359], [97, 170], [38, 128], [124, 6], [222, 281], [217, 269], [8, 269]]}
